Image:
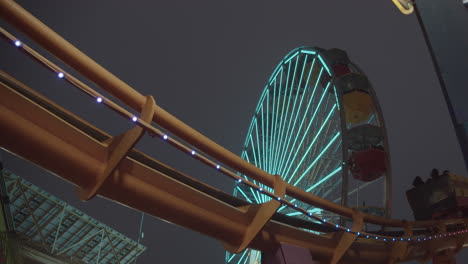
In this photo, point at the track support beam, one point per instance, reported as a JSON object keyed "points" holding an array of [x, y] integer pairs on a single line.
{"points": [[258, 215], [118, 148], [400, 248], [346, 239]]}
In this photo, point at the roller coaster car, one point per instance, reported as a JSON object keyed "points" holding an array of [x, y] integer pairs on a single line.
{"points": [[442, 197], [368, 165]]}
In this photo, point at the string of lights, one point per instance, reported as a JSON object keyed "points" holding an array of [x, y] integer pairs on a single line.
{"points": [[155, 132]]}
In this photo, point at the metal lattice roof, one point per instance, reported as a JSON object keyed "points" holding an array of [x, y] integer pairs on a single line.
{"points": [[62, 230]]}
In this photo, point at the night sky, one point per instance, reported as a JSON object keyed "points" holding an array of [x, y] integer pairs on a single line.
{"points": [[206, 62]]}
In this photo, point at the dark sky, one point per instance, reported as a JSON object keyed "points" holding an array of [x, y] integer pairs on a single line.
{"points": [[207, 62]]}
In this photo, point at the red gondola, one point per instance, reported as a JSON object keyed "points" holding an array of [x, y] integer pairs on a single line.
{"points": [[368, 165], [341, 69]]}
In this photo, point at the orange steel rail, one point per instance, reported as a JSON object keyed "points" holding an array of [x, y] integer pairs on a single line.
{"points": [[29, 130]]}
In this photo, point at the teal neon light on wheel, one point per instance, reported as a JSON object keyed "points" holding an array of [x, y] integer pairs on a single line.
{"points": [[319, 126]]}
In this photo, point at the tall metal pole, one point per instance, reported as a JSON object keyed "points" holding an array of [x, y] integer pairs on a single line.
{"points": [[140, 235], [444, 25]]}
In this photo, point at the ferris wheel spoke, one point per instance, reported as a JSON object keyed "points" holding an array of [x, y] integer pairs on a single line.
{"points": [[293, 115], [312, 144], [245, 195], [282, 129], [278, 117], [334, 186], [321, 144], [305, 133], [360, 188], [318, 157], [324, 64], [314, 175], [281, 121], [254, 192], [267, 130], [305, 155], [259, 154], [276, 110], [314, 210], [273, 126], [231, 257], [256, 163], [302, 71], [310, 189], [242, 257], [299, 111], [339, 166], [371, 118], [332, 163], [285, 111], [286, 129], [262, 128], [246, 143], [323, 167], [323, 179], [336, 96], [257, 257]]}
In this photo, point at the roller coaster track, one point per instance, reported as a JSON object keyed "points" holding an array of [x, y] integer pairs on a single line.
{"points": [[42, 132]]}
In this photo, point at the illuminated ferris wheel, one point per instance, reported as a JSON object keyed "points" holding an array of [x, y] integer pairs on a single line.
{"points": [[319, 126]]}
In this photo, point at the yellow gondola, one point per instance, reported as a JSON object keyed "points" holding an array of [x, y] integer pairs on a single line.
{"points": [[357, 106]]}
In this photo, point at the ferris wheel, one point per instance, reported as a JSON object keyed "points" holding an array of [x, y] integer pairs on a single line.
{"points": [[319, 126]]}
